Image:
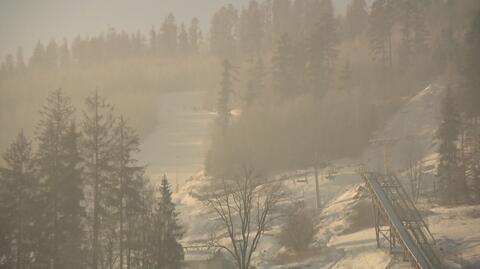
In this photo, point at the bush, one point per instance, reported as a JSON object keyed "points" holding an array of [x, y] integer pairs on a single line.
{"points": [[298, 232]]}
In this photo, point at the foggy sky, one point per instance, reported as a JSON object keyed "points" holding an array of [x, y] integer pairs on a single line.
{"points": [[24, 22]]}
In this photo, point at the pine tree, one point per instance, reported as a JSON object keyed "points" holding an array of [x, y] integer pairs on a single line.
{"points": [[255, 83], [145, 223], [471, 98], [451, 186], [38, 58], [356, 18], [194, 35], [98, 123], [125, 144], [281, 14], [167, 231], [64, 54], [153, 41], [58, 165], [283, 80], [469, 71], [251, 30], [183, 42], [321, 50], [168, 35], [72, 203], [51, 54], [20, 61], [222, 32], [9, 64], [445, 54], [414, 31], [381, 23], [18, 210]]}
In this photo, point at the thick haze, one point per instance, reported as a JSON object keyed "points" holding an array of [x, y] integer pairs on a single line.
{"points": [[25, 22]]}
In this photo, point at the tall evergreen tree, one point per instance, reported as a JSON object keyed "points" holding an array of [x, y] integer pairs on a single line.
{"points": [[356, 18], [471, 98], [381, 22], [281, 14], [183, 43], [98, 123], [194, 35], [153, 41], [9, 64], [20, 60], [51, 54], [469, 71], [451, 186], [64, 54], [38, 58], [72, 201], [168, 35], [414, 31], [167, 231], [255, 82], [125, 144], [222, 32], [251, 29], [283, 80], [321, 50], [58, 166], [18, 211]]}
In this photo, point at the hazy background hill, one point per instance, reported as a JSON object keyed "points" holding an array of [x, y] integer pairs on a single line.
{"points": [[68, 18]]}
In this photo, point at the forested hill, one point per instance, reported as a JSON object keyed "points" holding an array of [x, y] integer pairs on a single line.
{"points": [[289, 59]]}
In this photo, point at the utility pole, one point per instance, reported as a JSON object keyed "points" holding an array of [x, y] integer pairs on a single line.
{"points": [[317, 187]]}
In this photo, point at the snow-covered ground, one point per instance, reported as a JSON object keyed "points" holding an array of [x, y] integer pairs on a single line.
{"points": [[345, 237]]}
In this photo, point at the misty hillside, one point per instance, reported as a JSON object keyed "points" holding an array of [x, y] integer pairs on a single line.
{"points": [[247, 134], [344, 235]]}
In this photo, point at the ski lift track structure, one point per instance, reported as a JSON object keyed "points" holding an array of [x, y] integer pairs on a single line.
{"points": [[398, 221]]}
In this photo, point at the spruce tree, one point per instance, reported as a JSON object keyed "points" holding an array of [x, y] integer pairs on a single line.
{"points": [[251, 30], [471, 98], [51, 54], [451, 185], [356, 18], [381, 23], [223, 42], [98, 123], [322, 50], [64, 54], [58, 161], [283, 79], [168, 252], [414, 31], [19, 213], [168, 35], [153, 41], [183, 42], [125, 144], [38, 58], [20, 60], [469, 71], [72, 203], [255, 83], [194, 35]]}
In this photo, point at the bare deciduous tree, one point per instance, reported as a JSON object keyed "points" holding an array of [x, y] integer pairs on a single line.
{"points": [[244, 207]]}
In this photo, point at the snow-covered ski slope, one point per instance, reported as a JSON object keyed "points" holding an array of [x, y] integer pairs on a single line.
{"points": [[345, 237]]}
